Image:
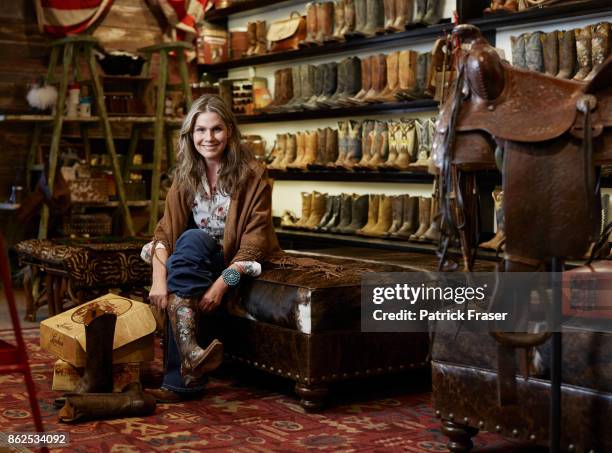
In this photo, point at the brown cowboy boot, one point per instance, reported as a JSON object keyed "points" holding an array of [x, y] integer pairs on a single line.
{"points": [[311, 24], [397, 207], [367, 127], [433, 13], [278, 151], [339, 21], [392, 87], [375, 18], [252, 38], [343, 128], [359, 215], [500, 235], [373, 203], [385, 217], [379, 78], [366, 81], [346, 209], [567, 54], [380, 146], [355, 145], [411, 218], [389, 9], [406, 144], [403, 14], [392, 136], [349, 19], [306, 209], [319, 201], [290, 152], [424, 218], [600, 47], [261, 47], [195, 361], [325, 22], [300, 151], [551, 53], [583, 50], [433, 233]]}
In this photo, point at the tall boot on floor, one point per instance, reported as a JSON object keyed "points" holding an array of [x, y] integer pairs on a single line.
{"points": [[195, 361], [600, 47], [411, 218], [551, 53], [583, 51], [131, 402], [567, 54], [373, 204], [500, 234], [424, 218], [99, 335]]}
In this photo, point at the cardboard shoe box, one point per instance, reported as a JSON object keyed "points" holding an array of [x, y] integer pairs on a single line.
{"points": [[63, 335], [66, 377]]}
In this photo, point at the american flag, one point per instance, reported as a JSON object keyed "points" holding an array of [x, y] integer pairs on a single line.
{"points": [[69, 17]]}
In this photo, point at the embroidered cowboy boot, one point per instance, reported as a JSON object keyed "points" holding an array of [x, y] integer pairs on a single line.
{"points": [[424, 137], [252, 38], [99, 335], [500, 235], [406, 144], [355, 145], [375, 18], [195, 361], [278, 151], [311, 24], [346, 207], [380, 146], [518, 51], [421, 9], [334, 220], [317, 211], [389, 164], [410, 220], [403, 14], [551, 53], [359, 215], [367, 127], [534, 55], [325, 22], [343, 144], [397, 212], [385, 217], [424, 218], [373, 203], [600, 47], [433, 13], [583, 51], [339, 21], [131, 402], [567, 53], [307, 198]]}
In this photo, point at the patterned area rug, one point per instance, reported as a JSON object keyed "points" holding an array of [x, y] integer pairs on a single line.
{"points": [[246, 411]]}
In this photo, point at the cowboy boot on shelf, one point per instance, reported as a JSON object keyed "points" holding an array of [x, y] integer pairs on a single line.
{"points": [[331, 147], [534, 54], [359, 214], [325, 22], [392, 128], [311, 24], [99, 335], [343, 127], [518, 51], [397, 214], [283, 89], [307, 80], [424, 218], [306, 208], [403, 14], [433, 233], [320, 72], [406, 144], [567, 54], [131, 402], [389, 10], [300, 151], [329, 85], [500, 235], [421, 9], [424, 137], [311, 140], [251, 38], [339, 21], [261, 47], [373, 203], [392, 87], [366, 82], [375, 18], [410, 220], [319, 201], [334, 219], [379, 78], [195, 361], [583, 51], [433, 13], [290, 152], [278, 152], [321, 150], [380, 146], [406, 72], [355, 145], [361, 15], [367, 127], [288, 219], [551, 53], [349, 19], [600, 47], [346, 208], [423, 63], [385, 217], [329, 211]]}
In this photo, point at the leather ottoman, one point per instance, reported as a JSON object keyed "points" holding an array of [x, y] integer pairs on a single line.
{"points": [[78, 270], [464, 384], [306, 327]]}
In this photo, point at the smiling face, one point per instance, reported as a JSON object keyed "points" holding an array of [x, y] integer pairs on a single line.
{"points": [[210, 136]]}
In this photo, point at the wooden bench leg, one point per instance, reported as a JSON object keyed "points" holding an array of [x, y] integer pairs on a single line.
{"points": [[312, 396], [459, 436]]}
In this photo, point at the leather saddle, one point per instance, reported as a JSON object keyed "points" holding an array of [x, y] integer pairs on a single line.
{"points": [[551, 133]]}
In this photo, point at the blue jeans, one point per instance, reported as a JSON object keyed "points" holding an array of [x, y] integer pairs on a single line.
{"points": [[196, 263]]}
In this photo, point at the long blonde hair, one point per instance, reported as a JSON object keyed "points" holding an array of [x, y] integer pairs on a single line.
{"points": [[191, 166]]}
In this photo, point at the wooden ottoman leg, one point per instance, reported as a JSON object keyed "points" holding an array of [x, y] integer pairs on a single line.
{"points": [[28, 290], [312, 396], [459, 436]]}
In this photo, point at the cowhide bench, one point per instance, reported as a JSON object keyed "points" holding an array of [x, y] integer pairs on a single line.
{"points": [[307, 328], [77, 270]]}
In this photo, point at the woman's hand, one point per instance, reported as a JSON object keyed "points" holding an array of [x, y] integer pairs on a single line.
{"points": [[158, 295], [213, 296]]}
